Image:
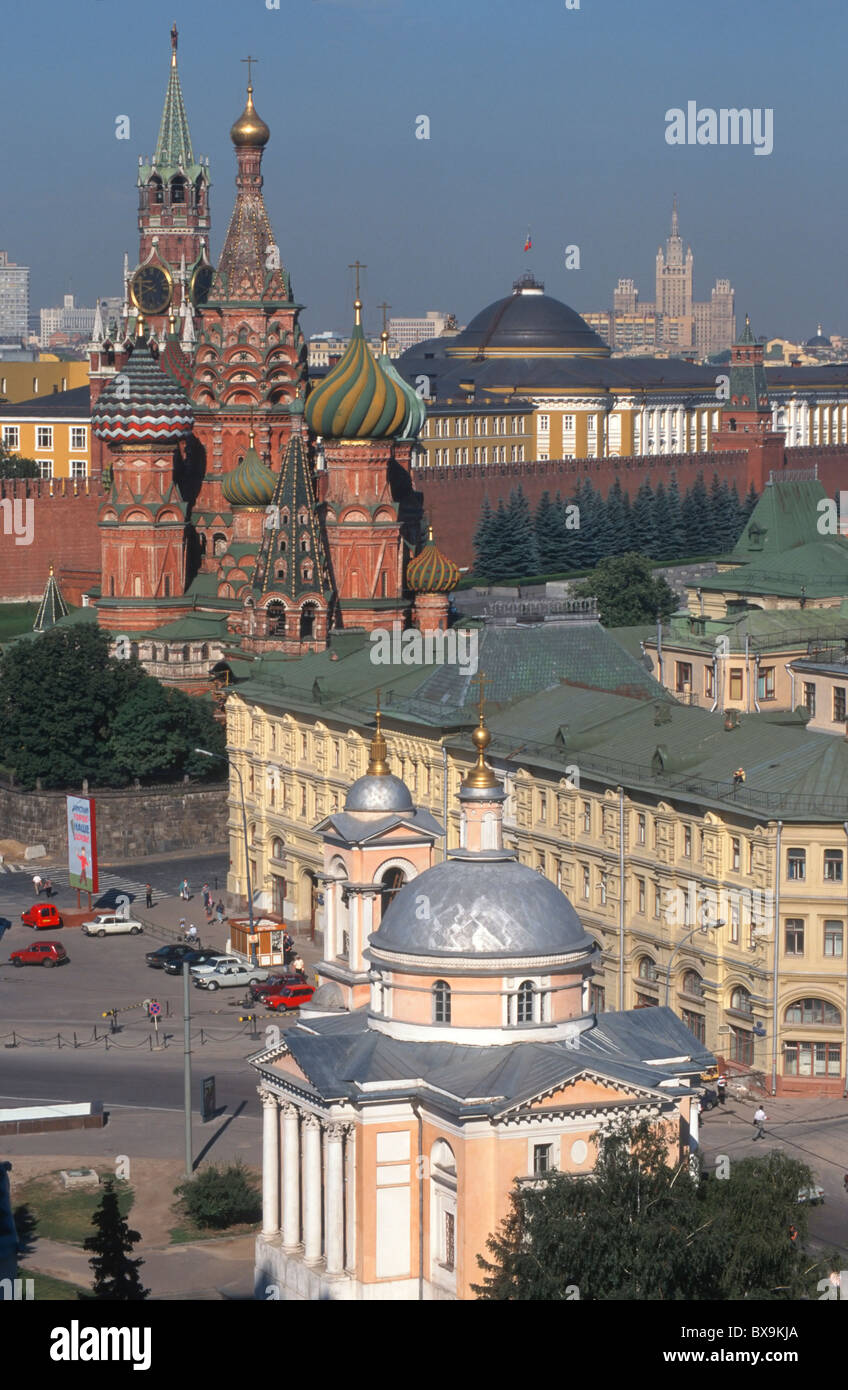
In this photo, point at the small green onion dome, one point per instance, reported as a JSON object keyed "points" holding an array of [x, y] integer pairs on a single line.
{"points": [[251, 484], [357, 400], [431, 572], [415, 408]]}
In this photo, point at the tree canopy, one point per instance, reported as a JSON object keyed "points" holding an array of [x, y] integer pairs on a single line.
{"points": [[13, 466], [642, 1228], [68, 711], [627, 591], [116, 1276]]}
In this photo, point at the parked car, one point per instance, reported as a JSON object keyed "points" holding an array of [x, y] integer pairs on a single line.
{"points": [[173, 951], [175, 965], [709, 1099], [213, 962], [290, 997], [230, 976], [811, 1196], [42, 916], [111, 924], [260, 989], [40, 953]]}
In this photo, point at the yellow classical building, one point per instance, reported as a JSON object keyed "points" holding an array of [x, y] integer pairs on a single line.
{"points": [[53, 429], [727, 896], [19, 381]]}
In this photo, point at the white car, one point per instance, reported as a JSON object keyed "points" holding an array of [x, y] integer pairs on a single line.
{"points": [[212, 964], [230, 976], [112, 924]]}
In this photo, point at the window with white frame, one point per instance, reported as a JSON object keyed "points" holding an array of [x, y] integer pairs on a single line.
{"points": [[11, 437], [79, 468], [78, 437], [46, 467], [44, 437], [544, 424]]}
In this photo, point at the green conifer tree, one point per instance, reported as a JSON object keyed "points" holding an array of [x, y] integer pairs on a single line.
{"points": [[676, 530], [115, 1273], [483, 540], [644, 533]]}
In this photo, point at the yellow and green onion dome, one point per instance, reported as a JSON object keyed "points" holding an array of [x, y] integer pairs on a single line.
{"points": [[357, 400], [431, 572], [415, 408], [251, 484]]}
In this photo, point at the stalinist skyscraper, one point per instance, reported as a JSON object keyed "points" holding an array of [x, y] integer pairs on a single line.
{"points": [[674, 274]]}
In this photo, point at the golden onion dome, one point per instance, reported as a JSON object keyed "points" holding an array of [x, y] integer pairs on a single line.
{"points": [[251, 484], [250, 130], [357, 400], [431, 572]]}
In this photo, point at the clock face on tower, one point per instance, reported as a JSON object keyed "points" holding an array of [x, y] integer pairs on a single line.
{"points": [[150, 288], [201, 284]]}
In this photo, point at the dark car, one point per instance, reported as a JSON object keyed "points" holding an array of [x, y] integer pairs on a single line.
{"points": [[290, 997], [175, 964], [174, 951], [40, 953], [709, 1099], [260, 989]]}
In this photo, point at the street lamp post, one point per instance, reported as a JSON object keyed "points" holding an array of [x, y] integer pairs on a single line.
{"points": [[705, 927], [221, 759]]}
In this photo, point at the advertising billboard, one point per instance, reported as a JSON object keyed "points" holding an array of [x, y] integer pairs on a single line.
{"points": [[82, 843]]}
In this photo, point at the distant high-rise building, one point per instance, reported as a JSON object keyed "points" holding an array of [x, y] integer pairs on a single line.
{"points": [[71, 320], [674, 274], [408, 332], [14, 298]]}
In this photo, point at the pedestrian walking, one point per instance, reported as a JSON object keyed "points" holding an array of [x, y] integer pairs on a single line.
{"points": [[219, 911], [299, 967], [184, 890], [37, 881], [207, 896], [721, 1089], [148, 895], [209, 913], [288, 949], [760, 1118], [793, 1233], [845, 1184], [49, 890], [183, 925]]}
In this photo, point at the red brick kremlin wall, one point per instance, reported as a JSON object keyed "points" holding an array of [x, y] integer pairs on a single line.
{"points": [[64, 534]]}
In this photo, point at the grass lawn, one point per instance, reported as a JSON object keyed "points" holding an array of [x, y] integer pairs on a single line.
{"points": [[186, 1232], [46, 1289], [16, 618], [62, 1215]]}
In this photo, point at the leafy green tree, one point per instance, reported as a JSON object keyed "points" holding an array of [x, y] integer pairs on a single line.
{"points": [[627, 591], [69, 711], [116, 1277], [220, 1196], [640, 1228], [14, 466]]}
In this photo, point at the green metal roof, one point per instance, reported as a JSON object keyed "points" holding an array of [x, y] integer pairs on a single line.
{"points": [[785, 516], [762, 629], [818, 569]]}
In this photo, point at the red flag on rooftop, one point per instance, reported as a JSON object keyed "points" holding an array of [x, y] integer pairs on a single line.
{"points": [[528, 245]]}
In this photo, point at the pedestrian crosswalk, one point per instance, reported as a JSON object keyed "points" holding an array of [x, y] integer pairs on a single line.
{"points": [[107, 882]]}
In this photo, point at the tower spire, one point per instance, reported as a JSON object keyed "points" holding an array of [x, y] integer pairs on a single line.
{"points": [[173, 148], [675, 228], [378, 765]]}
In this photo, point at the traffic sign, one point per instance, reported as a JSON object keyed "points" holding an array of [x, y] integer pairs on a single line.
{"points": [[154, 1009]]}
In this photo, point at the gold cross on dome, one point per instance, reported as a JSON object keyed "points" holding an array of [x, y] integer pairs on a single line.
{"points": [[249, 60], [481, 681], [357, 266], [385, 308]]}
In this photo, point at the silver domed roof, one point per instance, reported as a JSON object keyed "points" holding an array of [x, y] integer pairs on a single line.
{"points": [[383, 792], [481, 907]]}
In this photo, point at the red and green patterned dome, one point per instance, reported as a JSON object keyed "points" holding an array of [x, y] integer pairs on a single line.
{"points": [[142, 404], [431, 572]]}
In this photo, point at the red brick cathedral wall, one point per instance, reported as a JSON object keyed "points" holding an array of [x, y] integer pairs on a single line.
{"points": [[64, 534]]}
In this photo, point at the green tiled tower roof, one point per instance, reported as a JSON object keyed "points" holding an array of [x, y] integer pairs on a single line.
{"points": [[292, 535], [174, 153]]}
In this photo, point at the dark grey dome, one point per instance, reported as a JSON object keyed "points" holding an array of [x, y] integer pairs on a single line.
{"points": [[818, 340], [327, 996], [485, 908], [528, 320], [383, 793]]}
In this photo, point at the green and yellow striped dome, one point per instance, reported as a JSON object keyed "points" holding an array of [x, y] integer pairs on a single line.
{"points": [[430, 572], [251, 484], [356, 400], [415, 409]]}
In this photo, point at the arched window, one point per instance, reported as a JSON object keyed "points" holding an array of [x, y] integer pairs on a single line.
{"points": [[647, 969], [692, 983], [281, 569], [813, 1011], [178, 190], [307, 620], [443, 1216], [304, 544], [303, 517], [306, 570], [740, 1000], [441, 1002], [276, 620], [392, 880], [283, 545], [278, 848], [219, 543], [155, 186], [525, 1001]]}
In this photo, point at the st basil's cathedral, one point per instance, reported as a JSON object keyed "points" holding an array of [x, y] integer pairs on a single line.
{"points": [[245, 512]]}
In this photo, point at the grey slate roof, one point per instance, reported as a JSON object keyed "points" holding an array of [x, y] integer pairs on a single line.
{"points": [[62, 405], [358, 832], [340, 1055]]}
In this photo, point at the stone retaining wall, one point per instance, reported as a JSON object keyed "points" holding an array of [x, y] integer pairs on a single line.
{"points": [[131, 824]]}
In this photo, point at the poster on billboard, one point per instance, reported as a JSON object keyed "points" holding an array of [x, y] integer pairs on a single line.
{"points": [[82, 843]]}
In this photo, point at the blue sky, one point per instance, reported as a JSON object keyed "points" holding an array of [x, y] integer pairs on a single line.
{"points": [[540, 117]]}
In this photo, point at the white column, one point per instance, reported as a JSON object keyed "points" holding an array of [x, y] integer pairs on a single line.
{"points": [[335, 1200], [350, 1197], [312, 1189], [291, 1178], [270, 1164]]}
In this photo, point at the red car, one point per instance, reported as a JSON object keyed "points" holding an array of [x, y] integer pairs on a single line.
{"points": [[290, 997], [42, 916], [261, 989], [40, 953]]}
